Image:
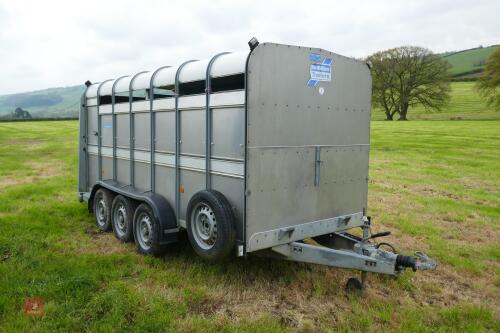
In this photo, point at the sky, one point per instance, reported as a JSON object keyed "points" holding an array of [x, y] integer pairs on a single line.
{"points": [[61, 43]]}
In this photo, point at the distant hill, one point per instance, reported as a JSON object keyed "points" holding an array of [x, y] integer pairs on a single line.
{"points": [[47, 103], [468, 64]]}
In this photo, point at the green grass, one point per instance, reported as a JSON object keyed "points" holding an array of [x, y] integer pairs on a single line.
{"points": [[470, 60], [465, 103], [435, 185]]}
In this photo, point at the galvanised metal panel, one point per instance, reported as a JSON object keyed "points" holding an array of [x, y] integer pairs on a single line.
{"points": [[105, 109], [194, 71], [142, 131], [293, 174], [92, 169], [165, 77], [122, 107], [192, 101], [106, 88], [107, 167], [92, 101], [165, 131], [140, 106], [82, 147], [228, 64], [142, 176], [192, 132], [228, 133], [142, 81], [92, 125], [164, 104], [229, 98], [106, 131], [122, 171], [123, 85], [165, 182], [233, 189], [191, 182], [92, 90], [122, 130]]}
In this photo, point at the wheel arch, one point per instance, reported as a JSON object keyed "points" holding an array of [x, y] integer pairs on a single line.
{"points": [[158, 204]]}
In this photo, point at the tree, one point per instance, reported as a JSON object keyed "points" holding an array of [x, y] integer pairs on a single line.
{"points": [[407, 76], [488, 83], [19, 113], [383, 81]]}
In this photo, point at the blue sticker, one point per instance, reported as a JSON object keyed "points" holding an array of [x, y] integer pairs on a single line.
{"points": [[327, 61], [312, 83], [107, 126], [319, 71], [314, 57]]}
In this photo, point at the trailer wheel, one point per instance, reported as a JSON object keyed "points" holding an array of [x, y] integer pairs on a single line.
{"points": [[210, 225], [122, 218], [146, 231], [102, 209], [354, 287]]}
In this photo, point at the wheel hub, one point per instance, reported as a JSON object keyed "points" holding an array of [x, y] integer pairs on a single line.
{"points": [[145, 231], [120, 219], [101, 212], [204, 226]]}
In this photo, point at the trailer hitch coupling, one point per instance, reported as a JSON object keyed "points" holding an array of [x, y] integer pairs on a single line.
{"points": [[420, 262]]}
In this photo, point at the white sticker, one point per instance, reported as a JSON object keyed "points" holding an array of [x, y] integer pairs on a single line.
{"points": [[321, 90], [319, 70]]}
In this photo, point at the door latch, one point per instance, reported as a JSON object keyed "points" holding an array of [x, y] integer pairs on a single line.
{"points": [[317, 165]]}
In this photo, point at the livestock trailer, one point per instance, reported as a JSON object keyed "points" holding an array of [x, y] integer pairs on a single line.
{"points": [[262, 151]]}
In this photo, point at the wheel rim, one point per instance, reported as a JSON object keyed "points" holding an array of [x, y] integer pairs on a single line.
{"points": [[144, 231], [101, 212], [204, 226], [120, 220]]}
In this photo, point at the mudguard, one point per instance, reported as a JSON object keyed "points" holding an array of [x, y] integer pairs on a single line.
{"points": [[158, 204]]}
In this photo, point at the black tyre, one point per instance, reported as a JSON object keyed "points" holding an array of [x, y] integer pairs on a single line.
{"points": [[210, 225], [354, 287], [147, 231], [122, 218], [102, 209]]}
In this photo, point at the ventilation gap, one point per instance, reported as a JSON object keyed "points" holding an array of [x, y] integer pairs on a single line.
{"points": [[228, 83], [106, 99], [192, 88], [164, 92]]}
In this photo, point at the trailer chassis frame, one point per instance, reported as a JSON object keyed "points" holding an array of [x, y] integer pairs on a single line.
{"points": [[344, 250]]}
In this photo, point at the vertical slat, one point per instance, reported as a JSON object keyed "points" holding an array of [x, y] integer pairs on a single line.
{"points": [[208, 121], [114, 124], [178, 143], [83, 138], [245, 170], [131, 127], [152, 121], [99, 132]]}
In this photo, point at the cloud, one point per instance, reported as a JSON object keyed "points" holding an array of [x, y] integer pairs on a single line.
{"points": [[57, 43]]}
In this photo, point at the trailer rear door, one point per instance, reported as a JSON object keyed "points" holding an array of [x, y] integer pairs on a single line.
{"points": [[308, 132]]}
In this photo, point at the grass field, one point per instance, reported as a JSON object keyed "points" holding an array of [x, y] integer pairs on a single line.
{"points": [[465, 103], [435, 185]]}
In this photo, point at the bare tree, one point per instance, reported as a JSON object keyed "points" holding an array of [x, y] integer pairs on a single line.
{"points": [[407, 76], [383, 81], [489, 82]]}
